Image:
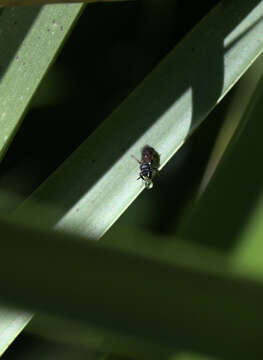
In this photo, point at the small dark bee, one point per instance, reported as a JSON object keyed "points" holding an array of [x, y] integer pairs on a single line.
{"points": [[149, 164]]}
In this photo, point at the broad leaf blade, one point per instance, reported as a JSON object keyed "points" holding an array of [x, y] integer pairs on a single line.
{"points": [[29, 41], [229, 204], [89, 192], [98, 182], [132, 304], [11, 324], [30, 38]]}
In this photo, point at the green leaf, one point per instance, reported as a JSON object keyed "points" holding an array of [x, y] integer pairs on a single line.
{"points": [[131, 304], [89, 192], [30, 38], [40, 2], [232, 200], [95, 185], [11, 324], [29, 41]]}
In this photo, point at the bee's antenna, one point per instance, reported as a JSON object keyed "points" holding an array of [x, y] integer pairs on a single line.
{"points": [[136, 159]]}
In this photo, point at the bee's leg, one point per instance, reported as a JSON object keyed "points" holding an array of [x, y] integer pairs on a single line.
{"points": [[148, 184]]}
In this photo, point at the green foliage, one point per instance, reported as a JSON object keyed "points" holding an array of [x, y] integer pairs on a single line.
{"points": [[136, 294], [29, 41], [130, 303]]}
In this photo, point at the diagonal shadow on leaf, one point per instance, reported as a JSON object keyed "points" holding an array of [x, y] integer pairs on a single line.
{"points": [[14, 25]]}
